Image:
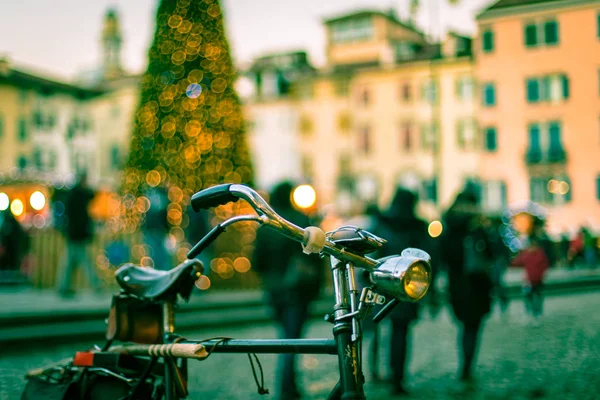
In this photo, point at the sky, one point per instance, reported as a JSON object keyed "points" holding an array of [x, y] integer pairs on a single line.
{"points": [[62, 37]]}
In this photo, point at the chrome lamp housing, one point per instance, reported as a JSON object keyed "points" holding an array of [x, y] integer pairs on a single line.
{"points": [[406, 277]]}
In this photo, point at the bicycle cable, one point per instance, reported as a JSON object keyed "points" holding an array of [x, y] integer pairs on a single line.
{"points": [[262, 390]]}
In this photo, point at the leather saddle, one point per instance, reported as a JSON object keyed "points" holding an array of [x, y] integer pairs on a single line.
{"points": [[157, 285]]}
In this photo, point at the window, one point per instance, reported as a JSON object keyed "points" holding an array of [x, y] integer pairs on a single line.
{"points": [[364, 97], [22, 162], [1, 126], [465, 133], [487, 41], [491, 141], [429, 135], [429, 93], [598, 25], [305, 125], [598, 182], [534, 153], [406, 136], [115, 157], [531, 35], [364, 140], [52, 162], [489, 95], [545, 143], [405, 93], [550, 88], [536, 33], [429, 190], [342, 87], [556, 152], [352, 30], [551, 32], [465, 88], [404, 50], [37, 159], [344, 122], [307, 167], [22, 132], [550, 190], [494, 196]]}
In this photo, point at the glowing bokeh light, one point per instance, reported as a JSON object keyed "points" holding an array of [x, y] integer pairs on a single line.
{"points": [[37, 200], [203, 282], [16, 207], [193, 90], [304, 196], [4, 201], [435, 229]]}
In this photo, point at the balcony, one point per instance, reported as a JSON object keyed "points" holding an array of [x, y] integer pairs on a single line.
{"points": [[551, 156]]}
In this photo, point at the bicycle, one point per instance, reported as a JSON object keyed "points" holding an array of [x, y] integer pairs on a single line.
{"points": [[142, 314]]}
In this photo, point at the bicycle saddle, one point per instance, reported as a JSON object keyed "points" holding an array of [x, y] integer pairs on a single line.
{"points": [[356, 240], [154, 285]]}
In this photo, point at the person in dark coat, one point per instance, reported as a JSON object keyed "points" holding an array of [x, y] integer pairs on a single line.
{"points": [[468, 254], [14, 244], [79, 233], [291, 279], [402, 228]]}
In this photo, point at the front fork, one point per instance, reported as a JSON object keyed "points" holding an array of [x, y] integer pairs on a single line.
{"points": [[346, 332]]}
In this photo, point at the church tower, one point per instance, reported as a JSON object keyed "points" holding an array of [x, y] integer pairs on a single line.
{"points": [[111, 45]]}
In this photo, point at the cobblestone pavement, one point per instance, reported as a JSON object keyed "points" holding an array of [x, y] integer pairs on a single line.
{"points": [[558, 360]]}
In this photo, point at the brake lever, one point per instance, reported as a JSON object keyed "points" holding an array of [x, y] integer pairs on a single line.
{"points": [[384, 312]]}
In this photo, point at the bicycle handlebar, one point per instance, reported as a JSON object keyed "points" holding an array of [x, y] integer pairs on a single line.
{"points": [[223, 194]]}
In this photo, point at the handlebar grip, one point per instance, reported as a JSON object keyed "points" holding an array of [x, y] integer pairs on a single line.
{"points": [[212, 197]]}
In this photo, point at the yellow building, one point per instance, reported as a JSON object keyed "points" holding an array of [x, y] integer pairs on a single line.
{"points": [[51, 130], [538, 67], [389, 108]]}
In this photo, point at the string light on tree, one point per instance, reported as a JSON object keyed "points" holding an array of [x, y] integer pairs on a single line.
{"points": [[189, 130]]}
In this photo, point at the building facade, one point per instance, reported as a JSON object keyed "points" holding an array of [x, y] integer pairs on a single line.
{"points": [[538, 68]]}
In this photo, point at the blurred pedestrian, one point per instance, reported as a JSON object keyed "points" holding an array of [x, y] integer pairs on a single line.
{"points": [[535, 262], [467, 252], [156, 228], [14, 244], [501, 255], [576, 249], [400, 226], [589, 248], [291, 279], [79, 232]]}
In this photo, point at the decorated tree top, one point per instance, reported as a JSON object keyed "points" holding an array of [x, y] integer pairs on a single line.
{"points": [[189, 130]]}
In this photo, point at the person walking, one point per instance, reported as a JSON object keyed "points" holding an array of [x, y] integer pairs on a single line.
{"points": [[292, 280], [534, 260], [79, 232], [400, 226], [14, 245], [468, 255]]}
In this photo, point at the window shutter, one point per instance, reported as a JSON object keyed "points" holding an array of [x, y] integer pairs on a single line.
{"points": [[533, 90], [551, 32], [565, 86], [531, 35]]}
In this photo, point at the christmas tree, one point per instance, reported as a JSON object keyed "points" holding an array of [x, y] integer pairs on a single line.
{"points": [[189, 129]]}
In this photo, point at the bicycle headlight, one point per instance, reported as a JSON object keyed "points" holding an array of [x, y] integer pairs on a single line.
{"points": [[406, 277]]}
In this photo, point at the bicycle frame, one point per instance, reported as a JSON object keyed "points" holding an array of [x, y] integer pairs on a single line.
{"points": [[392, 275], [345, 343]]}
